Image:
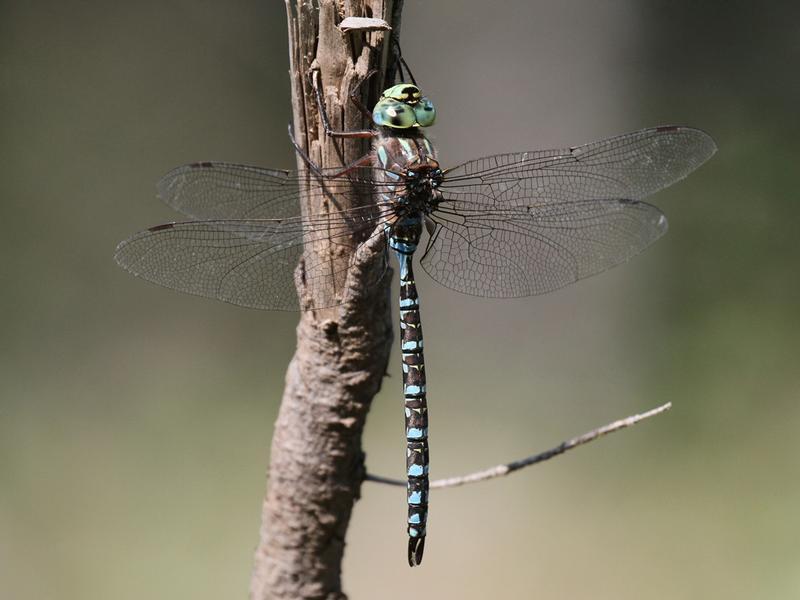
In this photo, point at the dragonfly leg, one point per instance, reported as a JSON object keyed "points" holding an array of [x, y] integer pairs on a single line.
{"points": [[364, 161], [354, 94], [401, 61], [364, 133]]}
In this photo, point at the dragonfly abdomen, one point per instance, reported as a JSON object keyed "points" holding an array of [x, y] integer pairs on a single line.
{"points": [[416, 404]]}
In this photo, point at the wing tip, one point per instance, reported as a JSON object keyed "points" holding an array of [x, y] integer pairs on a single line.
{"points": [[702, 135]]}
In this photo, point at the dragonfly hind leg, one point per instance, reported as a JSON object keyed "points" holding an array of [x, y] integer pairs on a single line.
{"points": [[364, 161]]}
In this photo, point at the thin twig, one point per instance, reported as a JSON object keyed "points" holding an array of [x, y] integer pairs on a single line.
{"points": [[507, 468]]}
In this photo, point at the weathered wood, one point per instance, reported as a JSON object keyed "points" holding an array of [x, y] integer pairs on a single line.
{"points": [[317, 463]]}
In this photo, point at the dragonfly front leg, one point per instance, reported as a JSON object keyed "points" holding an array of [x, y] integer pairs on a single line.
{"points": [[401, 61], [323, 113], [364, 161], [354, 95]]}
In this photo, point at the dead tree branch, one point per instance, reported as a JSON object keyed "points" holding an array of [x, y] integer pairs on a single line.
{"points": [[316, 461]]}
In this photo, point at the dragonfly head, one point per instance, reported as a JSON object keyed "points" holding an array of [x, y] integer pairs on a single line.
{"points": [[403, 106]]}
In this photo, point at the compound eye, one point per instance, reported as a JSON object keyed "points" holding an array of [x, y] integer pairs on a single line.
{"points": [[395, 114], [425, 112]]}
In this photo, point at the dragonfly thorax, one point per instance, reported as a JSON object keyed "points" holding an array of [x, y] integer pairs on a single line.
{"points": [[421, 189], [409, 173]]}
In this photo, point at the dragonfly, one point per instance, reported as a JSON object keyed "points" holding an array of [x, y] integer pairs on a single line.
{"points": [[502, 226]]}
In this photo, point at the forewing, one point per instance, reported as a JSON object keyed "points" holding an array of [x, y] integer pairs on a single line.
{"points": [[631, 166]]}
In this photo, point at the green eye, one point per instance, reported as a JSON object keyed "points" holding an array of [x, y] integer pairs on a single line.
{"points": [[404, 92], [391, 113], [425, 112]]}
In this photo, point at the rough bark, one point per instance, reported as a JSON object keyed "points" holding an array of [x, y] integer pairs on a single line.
{"points": [[317, 463]]}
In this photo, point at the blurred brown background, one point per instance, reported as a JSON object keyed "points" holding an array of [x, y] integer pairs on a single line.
{"points": [[135, 422]]}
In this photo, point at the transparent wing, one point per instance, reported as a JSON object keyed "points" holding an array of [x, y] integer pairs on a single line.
{"points": [[527, 223], [218, 190], [633, 166], [250, 263], [512, 254]]}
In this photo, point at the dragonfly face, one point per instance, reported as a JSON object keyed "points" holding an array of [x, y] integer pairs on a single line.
{"points": [[404, 107]]}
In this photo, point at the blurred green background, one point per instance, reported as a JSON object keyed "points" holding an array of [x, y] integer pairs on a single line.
{"points": [[135, 422]]}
